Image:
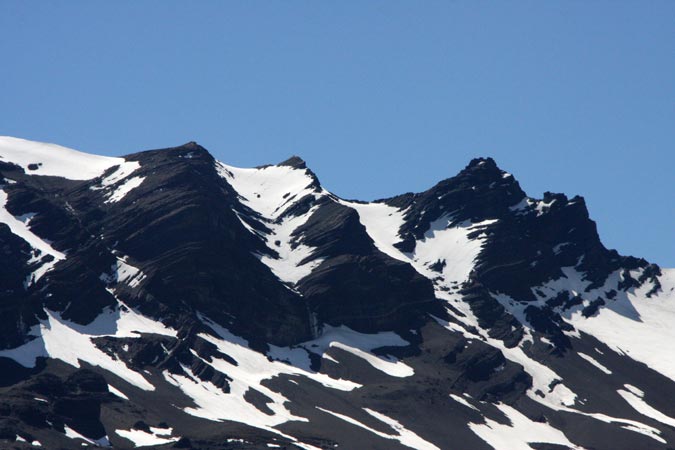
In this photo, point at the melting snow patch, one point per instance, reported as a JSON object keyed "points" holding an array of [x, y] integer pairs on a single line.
{"points": [[123, 189], [123, 272], [463, 401], [71, 343], [270, 191], [142, 438], [520, 433], [20, 227], [72, 434], [595, 363], [403, 435], [113, 390], [631, 323], [249, 371], [123, 171], [358, 344], [633, 396]]}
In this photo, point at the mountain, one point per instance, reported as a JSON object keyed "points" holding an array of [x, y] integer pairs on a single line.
{"points": [[167, 300]]}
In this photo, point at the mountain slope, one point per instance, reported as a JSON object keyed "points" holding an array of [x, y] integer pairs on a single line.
{"points": [[167, 299]]}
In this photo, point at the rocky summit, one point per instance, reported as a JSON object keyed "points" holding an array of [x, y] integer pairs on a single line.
{"points": [[166, 300]]}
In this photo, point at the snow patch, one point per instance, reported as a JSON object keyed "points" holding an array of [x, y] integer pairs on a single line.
{"points": [[403, 435], [72, 434], [54, 160], [270, 191], [249, 371], [358, 344], [61, 339], [20, 226], [593, 361], [142, 438], [113, 390], [633, 396], [520, 433], [123, 189]]}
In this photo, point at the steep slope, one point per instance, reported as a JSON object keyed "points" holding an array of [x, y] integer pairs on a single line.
{"points": [[168, 300]]}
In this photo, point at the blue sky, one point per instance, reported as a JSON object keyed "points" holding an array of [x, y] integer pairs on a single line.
{"points": [[380, 97]]}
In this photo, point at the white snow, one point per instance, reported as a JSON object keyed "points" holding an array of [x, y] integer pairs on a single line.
{"points": [[142, 438], [117, 392], [383, 223], [288, 266], [633, 396], [631, 324], [444, 241], [250, 370], [123, 189], [55, 160], [124, 170], [463, 401], [403, 435], [542, 207], [20, 226], [520, 433], [123, 272], [593, 361], [343, 338], [270, 191], [72, 434], [71, 343], [522, 206]]}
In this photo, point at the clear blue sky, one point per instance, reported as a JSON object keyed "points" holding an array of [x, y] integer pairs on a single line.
{"points": [[380, 97]]}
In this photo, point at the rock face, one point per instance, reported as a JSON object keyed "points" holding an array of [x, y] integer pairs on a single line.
{"points": [[166, 299]]}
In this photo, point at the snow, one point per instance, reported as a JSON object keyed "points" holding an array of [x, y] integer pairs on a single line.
{"points": [[123, 171], [123, 272], [249, 372], [118, 184], [72, 434], [522, 206], [463, 401], [633, 324], [117, 392], [520, 433], [20, 226], [270, 191], [58, 338], [541, 206], [444, 241], [288, 266], [403, 435], [123, 189], [593, 361], [383, 223], [634, 397], [55, 160], [142, 438], [358, 344]]}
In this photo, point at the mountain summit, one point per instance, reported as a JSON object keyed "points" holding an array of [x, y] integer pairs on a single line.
{"points": [[169, 300]]}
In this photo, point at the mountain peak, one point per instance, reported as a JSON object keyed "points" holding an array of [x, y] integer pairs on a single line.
{"points": [[294, 161], [483, 163]]}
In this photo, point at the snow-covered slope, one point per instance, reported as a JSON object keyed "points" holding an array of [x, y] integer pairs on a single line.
{"points": [[40, 158]]}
